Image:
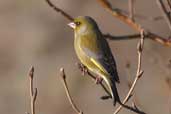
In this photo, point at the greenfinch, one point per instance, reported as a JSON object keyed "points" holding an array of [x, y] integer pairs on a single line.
{"points": [[94, 52]]}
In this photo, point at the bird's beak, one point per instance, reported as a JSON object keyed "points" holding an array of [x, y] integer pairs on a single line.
{"points": [[72, 25]]}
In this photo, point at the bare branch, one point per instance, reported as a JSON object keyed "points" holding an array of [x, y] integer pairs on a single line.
{"points": [[169, 5], [33, 91], [164, 12], [138, 74], [125, 37], [63, 79], [142, 17], [118, 14], [137, 108], [63, 13], [131, 9]]}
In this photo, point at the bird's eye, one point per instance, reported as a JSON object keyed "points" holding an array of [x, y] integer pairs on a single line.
{"points": [[78, 23]]}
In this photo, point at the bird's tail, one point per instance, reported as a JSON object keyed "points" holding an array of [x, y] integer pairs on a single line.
{"points": [[115, 94], [113, 90]]}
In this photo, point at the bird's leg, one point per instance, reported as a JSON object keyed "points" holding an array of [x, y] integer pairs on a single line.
{"points": [[83, 68], [98, 80]]}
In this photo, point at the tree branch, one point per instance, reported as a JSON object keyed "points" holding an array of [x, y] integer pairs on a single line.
{"points": [[33, 91], [138, 74], [169, 5], [165, 14], [131, 9], [66, 15], [63, 79], [124, 37], [118, 14]]}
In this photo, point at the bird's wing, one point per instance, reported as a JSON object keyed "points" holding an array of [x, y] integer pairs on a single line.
{"points": [[108, 58], [104, 61]]}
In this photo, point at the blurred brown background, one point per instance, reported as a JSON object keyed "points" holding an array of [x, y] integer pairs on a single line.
{"points": [[31, 33]]}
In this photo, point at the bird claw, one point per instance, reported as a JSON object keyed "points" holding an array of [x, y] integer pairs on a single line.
{"points": [[83, 68], [98, 80]]}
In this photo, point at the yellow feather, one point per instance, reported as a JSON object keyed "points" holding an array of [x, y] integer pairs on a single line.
{"points": [[104, 74], [98, 65]]}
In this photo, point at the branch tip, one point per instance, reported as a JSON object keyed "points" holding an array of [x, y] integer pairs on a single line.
{"points": [[31, 72], [33, 91], [62, 71]]}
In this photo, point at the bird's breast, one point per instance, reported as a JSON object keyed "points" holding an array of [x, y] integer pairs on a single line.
{"points": [[79, 43]]}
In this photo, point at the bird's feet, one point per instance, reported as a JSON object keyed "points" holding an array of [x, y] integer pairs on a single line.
{"points": [[98, 80], [83, 68]]}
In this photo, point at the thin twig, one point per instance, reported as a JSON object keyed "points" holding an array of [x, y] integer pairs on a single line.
{"points": [[124, 37], [33, 91], [131, 9], [67, 16], [118, 14], [138, 74], [74, 106], [140, 16], [129, 37], [164, 12], [137, 108], [148, 18], [169, 5]]}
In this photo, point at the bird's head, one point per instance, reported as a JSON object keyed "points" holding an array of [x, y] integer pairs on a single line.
{"points": [[83, 25]]}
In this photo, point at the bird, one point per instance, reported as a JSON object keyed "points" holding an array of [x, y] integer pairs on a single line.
{"points": [[93, 51]]}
